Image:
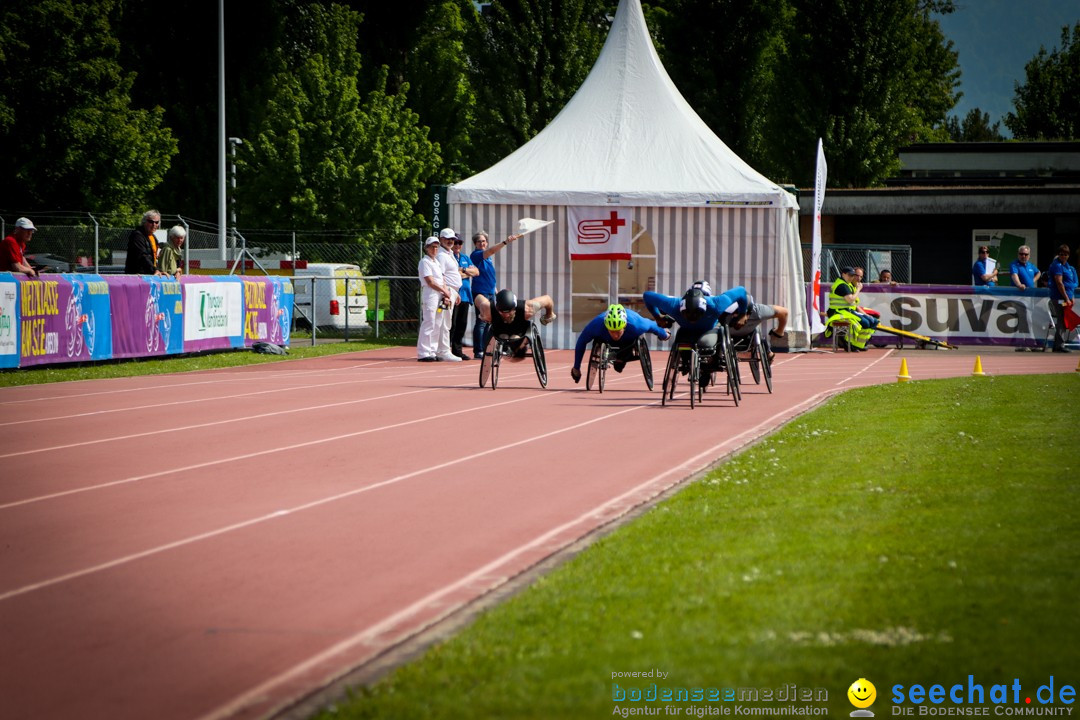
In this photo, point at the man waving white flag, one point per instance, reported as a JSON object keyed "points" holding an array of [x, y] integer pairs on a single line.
{"points": [[815, 254]]}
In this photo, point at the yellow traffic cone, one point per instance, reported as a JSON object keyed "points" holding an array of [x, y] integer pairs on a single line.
{"points": [[1077, 367], [978, 372], [903, 376]]}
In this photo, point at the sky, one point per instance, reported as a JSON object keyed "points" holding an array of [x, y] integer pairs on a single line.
{"points": [[995, 39]]}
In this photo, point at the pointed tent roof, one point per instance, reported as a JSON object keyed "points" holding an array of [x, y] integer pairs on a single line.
{"points": [[627, 132]]}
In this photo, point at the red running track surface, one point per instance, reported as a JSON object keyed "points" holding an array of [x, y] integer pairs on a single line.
{"points": [[219, 544]]}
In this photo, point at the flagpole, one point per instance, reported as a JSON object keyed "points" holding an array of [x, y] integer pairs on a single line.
{"points": [[814, 310]]}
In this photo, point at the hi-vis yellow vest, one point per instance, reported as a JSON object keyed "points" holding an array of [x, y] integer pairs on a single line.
{"points": [[837, 301]]}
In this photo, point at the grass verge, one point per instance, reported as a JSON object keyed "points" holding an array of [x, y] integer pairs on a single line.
{"points": [[173, 364], [902, 533]]}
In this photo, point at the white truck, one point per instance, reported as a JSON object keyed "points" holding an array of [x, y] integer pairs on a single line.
{"points": [[340, 296]]}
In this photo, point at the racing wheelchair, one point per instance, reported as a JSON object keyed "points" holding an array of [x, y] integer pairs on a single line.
{"points": [[500, 346], [689, 360], [603, 356], [756, 356]]}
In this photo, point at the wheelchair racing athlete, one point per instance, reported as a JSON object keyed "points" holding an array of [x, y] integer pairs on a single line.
{"points": [[512, 318], [697, 314], [743, 326], [620, 328]]}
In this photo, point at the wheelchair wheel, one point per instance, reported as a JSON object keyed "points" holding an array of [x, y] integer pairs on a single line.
{"points": [[496, 358], [756, 354], [671, 373], [766, 366], [487, 364], [733, 372], [539, 362], [594, 365], [693, 376], [646, 361]]}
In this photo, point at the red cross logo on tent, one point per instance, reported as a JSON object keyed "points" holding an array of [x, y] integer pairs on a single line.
{"points": [[596, 231]]}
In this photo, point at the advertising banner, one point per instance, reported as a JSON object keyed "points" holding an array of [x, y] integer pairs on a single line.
{"points": [[140, 325], [267, 310], [90, 310], [963, 315], [214, 313], [45, 326], [9, 321]]}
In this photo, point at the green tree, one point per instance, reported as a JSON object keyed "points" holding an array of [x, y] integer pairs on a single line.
{"points": [[866, 76], [722, 55], [1048, 103], [975, 127], [528, 59], [440, 90], [70, 136], [325, 156]]}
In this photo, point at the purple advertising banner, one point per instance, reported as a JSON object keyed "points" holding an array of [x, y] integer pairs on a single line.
{"points": [[42, 334], [267, 310], [134, 318]]}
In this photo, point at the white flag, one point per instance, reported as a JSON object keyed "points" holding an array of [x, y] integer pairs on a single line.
{"points": [[599, 233], [814, 310]]}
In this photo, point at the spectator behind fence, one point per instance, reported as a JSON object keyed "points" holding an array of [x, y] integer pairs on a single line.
{"points": [[1025, 275], [171, 256], [985, 271], [13, 249], [485, 284], [142, 246], [885, 277]]}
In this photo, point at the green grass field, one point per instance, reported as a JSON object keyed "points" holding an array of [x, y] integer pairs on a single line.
{"points": [[902, 533]]}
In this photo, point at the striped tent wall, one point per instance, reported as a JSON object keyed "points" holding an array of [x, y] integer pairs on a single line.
{"points": [[727, 246]]}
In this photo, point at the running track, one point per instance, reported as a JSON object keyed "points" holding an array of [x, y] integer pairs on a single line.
{"points": [[219, 544]]}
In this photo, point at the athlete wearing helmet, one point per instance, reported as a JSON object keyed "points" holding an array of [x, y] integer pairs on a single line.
{"points": [[744, 325], [512, 318], [697, 315], [618, 327]]}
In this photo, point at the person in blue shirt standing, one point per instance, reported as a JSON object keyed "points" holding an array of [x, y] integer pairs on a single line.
{"points": [[980, 276], [1024, 276], [697, 313], [1062, 288], [461, 310], [620, 328], [484, 284]]}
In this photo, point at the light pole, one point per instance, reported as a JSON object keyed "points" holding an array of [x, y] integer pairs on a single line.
{"points": [[233, 142]]}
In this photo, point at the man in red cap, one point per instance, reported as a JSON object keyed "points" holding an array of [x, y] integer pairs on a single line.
{"points": [[13, 248]]}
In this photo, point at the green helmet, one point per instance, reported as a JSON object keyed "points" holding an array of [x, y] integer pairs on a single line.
{"points": [[615, 318]]}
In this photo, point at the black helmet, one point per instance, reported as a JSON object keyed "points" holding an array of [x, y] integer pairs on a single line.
{"points": [[693, 305], [505, 301]]}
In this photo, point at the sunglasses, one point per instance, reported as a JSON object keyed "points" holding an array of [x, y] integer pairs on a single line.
{"points": [[459, 242]]}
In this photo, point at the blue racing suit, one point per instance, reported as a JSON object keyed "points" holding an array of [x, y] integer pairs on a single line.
{"points": [[636, 326]]}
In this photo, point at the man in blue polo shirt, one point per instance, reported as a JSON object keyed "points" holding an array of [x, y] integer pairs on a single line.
{"points": [[483, 284], [1024, 275], [981, 276]]}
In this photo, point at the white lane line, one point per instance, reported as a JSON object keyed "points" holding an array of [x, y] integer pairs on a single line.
{"points": [[864, 369], [435, 598], [314, 503], [212, 399], [209, 463]]}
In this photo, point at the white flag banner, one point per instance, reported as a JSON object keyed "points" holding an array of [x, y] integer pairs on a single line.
{"points": [[814, 310], [599, 233], [528, 225]]}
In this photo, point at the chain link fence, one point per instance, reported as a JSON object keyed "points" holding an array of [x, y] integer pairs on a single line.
{"points": [[871, 258], [386, 259]]}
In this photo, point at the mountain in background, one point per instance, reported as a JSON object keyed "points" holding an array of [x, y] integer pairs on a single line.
{"points": [[995, 39]]}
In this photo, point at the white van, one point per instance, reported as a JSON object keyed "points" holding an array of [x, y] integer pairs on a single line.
{"points": [[340, 295]]}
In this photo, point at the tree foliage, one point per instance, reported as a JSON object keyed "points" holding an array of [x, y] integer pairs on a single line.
{"points": [[868, 78], [528, 59], [1048, 103], [325, 156], [975, 127], [71, 137]]}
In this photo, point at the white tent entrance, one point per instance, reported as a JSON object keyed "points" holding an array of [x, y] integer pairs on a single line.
{"points": [[628, 141]]}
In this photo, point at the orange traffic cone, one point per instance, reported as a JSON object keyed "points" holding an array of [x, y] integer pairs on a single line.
{"points": [[1077, 367], [978, 372], [903, 376]]}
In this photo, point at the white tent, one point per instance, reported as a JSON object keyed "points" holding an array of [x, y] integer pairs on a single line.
{"points": [[628, 140]]}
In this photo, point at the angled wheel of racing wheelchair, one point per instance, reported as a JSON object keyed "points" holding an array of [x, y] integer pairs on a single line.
{"points": [[537, 352], [489, 364], [598, 363], [760, 367], [682, 358], [646, 360]]}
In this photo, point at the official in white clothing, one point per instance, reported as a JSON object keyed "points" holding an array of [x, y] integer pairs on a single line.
{"points": [[433, 294], [451, 280]]}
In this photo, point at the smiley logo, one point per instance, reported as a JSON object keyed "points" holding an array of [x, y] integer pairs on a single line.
{"points": [[862, 693]]}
